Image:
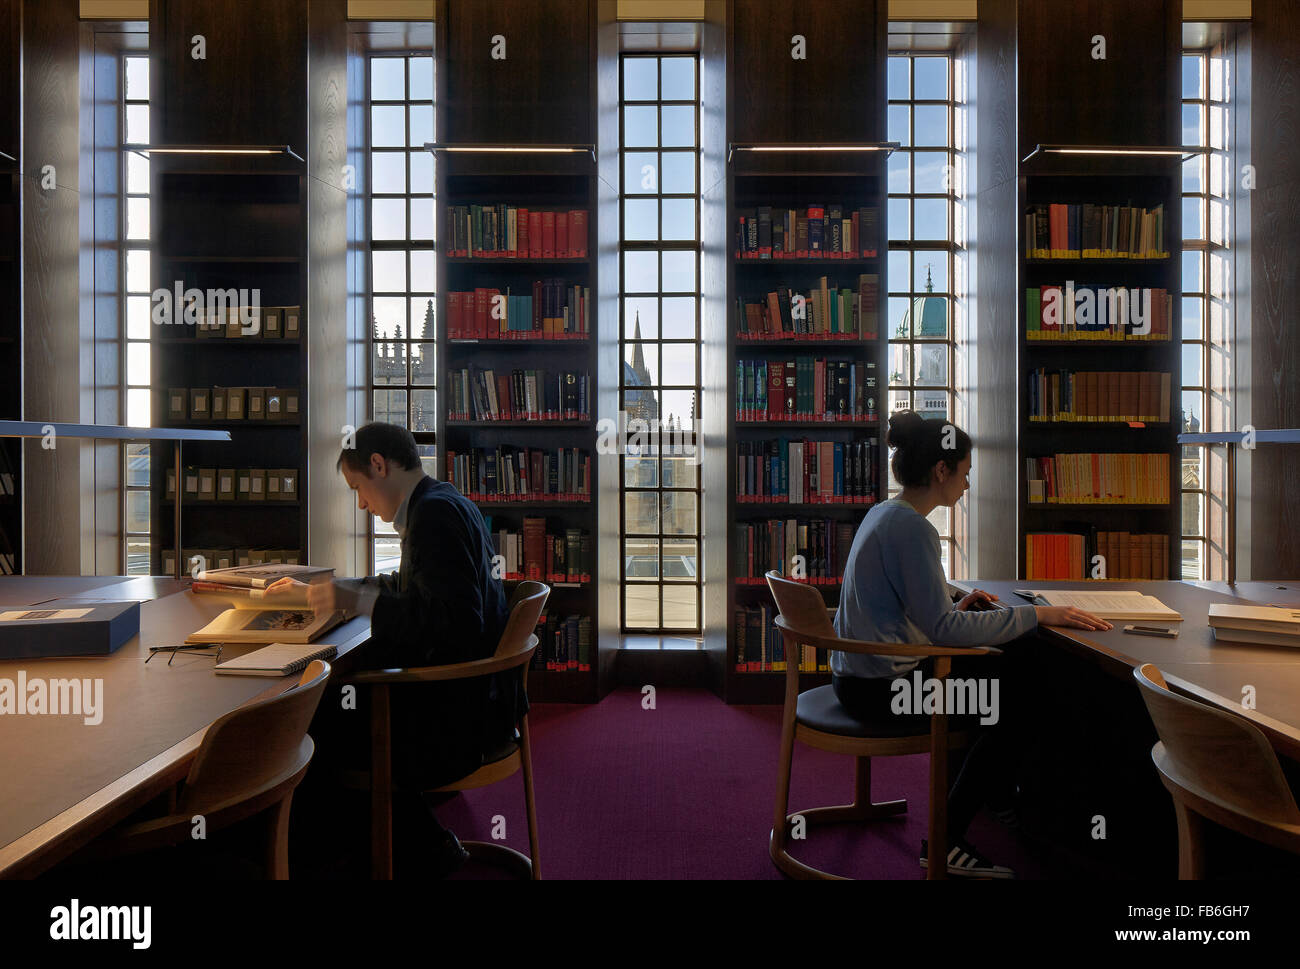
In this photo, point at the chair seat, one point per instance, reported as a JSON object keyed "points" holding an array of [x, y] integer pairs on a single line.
{"points": [[502, 750], [821, 710]]}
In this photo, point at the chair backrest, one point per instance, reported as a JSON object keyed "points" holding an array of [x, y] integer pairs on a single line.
{"points": [[526, 604], [254, 745], [801, 605], [1216, 755]]}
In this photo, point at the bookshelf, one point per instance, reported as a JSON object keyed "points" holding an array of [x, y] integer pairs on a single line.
{"points": [[223, 224], [771, 484], [1102, 400]]}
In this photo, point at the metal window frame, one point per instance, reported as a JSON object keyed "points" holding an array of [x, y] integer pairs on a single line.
{"points": [[659, 246]]}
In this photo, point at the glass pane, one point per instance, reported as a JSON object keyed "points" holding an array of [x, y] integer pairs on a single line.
{"points": [[678, 171], [679, 219], [137, 174], [899, 221], [137, 271], [1191, 560], [679, 364], [930, 316], [390, 406], [137, 464], [388, 219], [898, 124], [137, 124], [931, 124], [641, 605], [1193, 282], [899, 269], [679, 272], [1192, 519], [640, 78], [932, 365], [1192, 318], [680, 606], [641, 219], [388, 172], [897, 84], [388, 552], [137, 78], [421, 70], [424, 410], [640, 317], [641, 511], [678, 81], [679, 467], [678, 514], [137, 511], [640, 126], [900, 363], [900, 318], [428, 458], [641, 559], [137, 364], [421, 124], [1193, 223], [422, 224], [1192, 76], [387, 79], [931, 219], [1192, 117], [137, 317], [930, 172], [387, 126], [421, 171], [681, 555], [422, 271], [640, 272], [137, 408], [931, 78], [939, 518], [1193, 178], [677, 409], [640, 172], [424, 360], [388, 316], [679, 318], [642, 364], [930, 267], [899, 164], [423, 323], [1192, 411], [137, 557], [678, 125], [1192, 376], [389, 271], [640, 472], [388, 363]]}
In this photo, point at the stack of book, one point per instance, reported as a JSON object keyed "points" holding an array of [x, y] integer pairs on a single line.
{"points": [[1056, 230], [814, 231], [1097, 312], [536, 554], [1107, 479], [1125, 395], [826, 312], [519, 395], [803, 471], [509, 473], [1265, 625], [500, 230], [805, 388], [805, 550]]}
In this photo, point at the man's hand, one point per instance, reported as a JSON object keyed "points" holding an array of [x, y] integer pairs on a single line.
{"points": [[319, 596], [975, 599]]}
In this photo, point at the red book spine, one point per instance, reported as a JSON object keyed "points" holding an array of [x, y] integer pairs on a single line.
{"points": [[548, 235], [521, 233], [534, 235], [480, 313], [562, 235], [453, 316], [578, 233], [852, 244], [495, 316]]}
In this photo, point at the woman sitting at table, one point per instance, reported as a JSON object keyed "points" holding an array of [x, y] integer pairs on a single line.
{"points": [[895, 591]]}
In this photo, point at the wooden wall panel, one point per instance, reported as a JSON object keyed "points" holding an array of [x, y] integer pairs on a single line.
{"points": [[57, 483], [827, 96], [992, 367], [539, 93], [1275, 287]]}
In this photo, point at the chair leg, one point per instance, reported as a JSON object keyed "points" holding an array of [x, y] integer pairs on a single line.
{"points": [[530, 803], [780, 833], [277, 839], [381, 786], [937, 859], [1191, 843]]}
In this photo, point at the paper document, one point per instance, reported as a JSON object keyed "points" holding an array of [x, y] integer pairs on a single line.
{"points": [[1126, 604]]}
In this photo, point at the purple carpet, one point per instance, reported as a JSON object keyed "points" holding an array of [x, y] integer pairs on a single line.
{"points": [[686, 791]]}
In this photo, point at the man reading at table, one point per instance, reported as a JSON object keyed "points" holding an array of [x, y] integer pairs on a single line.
{"points": [[441, 606]]}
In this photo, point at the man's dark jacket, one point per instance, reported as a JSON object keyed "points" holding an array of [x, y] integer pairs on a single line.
{"points": [[443, 606]]}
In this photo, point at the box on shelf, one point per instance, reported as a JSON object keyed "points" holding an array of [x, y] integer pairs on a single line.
{"points": [[225, 484], [191, 475], [218, 405], [243, 484], [207, 484], [257, 484], [178, 403], [291, 404], [274, 399], [292, 327], [235, 401], [271, 323], [256, 403], [288, 484], [200, 400]]}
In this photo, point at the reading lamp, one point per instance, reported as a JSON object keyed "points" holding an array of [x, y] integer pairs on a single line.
{"points": [[1231, 440], [114, 432], [1154, 151], [859, 147], [217, 150], [436, 147]]}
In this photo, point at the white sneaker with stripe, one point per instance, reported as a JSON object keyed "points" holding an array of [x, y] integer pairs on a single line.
{"points": [[965, 862]]}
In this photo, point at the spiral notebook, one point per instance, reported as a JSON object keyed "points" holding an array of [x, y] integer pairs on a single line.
{"points": [[278, 659]]}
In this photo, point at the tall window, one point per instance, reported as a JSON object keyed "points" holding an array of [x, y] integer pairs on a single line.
{"points": [[1206, 312], [134, 235], [922, 246], [400, 223], [659, 388]]}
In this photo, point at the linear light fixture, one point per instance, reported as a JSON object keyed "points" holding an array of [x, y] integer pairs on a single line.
{"points": [[1158, 151], [508, 149], [888, 147], [217, 150], [7, 157]]}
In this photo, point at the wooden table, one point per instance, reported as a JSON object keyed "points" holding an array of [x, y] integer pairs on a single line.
{"points": [[1194, 663], [67, 781]]}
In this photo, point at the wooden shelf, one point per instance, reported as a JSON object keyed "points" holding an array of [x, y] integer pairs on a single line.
{"points": [[488, 344], [487, 424]]}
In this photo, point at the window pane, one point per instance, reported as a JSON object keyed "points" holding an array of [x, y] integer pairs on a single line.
{"points": [[387, 78], [641, 219], [679, 364], [640, 172], [421, 124], [899, 219], [421, 70], [388, 172], [641, 603], [932, 365], [930, 172], [137, 464], [421, 224], [679, 272], [137, 78], [390, 406], [930, 266], [931, 78], [388, 365], [138, 409], [137, 271], [678, 81], [424, 324], [424, 413], [422, 270], [388, 126], [640, 78], [421, 171], [1192, 365], [641, 313], [677, 511], [931, 219], [640, 472], [389, 271], [680, 606], [137, 364], [388, 219], [677, 172], [897, 84], [137, 511], [680, 554], [641, 512], [137, 124], [679, 318], [137, 318], [1192, 76], [642, 361], [900, 172], [137, 174], [640, 272], [640, 126], [679, 219], [931, 124], [678, 125]]}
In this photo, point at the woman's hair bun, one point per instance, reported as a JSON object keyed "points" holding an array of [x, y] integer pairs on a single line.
{"points": [[903, 428]]}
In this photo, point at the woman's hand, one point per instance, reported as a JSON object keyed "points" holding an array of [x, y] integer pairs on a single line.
{"points": [[1069, 616], [974, 599]]}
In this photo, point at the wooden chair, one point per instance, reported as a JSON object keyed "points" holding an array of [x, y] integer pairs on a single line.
{"points": [[816, 718], [1217, 766], [250, 761], [513, 651]]}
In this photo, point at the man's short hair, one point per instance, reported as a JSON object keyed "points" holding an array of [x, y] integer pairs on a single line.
{"points": [[391, 441]]}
